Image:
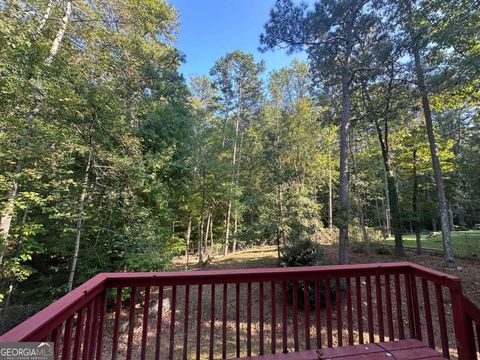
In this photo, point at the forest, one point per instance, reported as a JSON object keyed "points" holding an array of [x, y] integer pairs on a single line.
{"points": [[111, 160]]}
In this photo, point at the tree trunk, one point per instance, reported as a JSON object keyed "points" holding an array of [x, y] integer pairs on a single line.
{"points": [[343, 204], [388, 226], [81, 206], [212, 244], [234, 162], [450, 218], [392, 208], [416, 220], [448, 254], [38, 83], [201, 233], [235, 228], [363, 228], [187, 239], [44, 20], [227, 228], [207, 228], [330, 199]]}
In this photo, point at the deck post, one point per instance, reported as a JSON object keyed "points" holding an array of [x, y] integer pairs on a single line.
{"points": [[463, 334]]}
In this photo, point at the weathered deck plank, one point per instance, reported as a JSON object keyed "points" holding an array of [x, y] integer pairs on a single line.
{"points": [[410, 349]]}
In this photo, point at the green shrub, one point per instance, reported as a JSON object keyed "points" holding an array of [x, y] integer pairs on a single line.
{"points": [[307, 253], [383, 250], [476, 227], [302, 253], [358, 247]]}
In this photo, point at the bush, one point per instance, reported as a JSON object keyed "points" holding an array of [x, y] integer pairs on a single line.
{"points": [[476, 227], [383, 250], [358, 247], [307, 253], [302, 253]]}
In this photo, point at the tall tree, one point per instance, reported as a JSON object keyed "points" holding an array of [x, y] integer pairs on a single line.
{"points": [[331, 33], [416, 43], [236, 76]]}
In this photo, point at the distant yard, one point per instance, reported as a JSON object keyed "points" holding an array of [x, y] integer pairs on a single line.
{"points": [[464, 242]]}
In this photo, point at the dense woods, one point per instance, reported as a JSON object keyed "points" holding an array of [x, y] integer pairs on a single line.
{"points": [[111, 161]]}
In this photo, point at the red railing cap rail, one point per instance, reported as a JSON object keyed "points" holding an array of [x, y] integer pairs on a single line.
{"points": [[42, 323], [251, 275]]}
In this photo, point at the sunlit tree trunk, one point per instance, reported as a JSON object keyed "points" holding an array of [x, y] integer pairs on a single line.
{"points": [[80, 214], [44, 20], [416, 219], [330, 198], [448, 254], [38, 83], [212, 244], [187, 239]]}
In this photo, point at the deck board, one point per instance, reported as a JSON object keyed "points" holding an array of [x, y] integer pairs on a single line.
{"points": [[410, 349]]}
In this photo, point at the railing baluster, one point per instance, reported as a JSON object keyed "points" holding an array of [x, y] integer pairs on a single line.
{"points": [[261, 317], [338, 304], [295, 315], [212, 320], [224, 321], [284, 316], [416, 311], [349, 310], [56, 341], [398, 301], [306, 308], [185, 321], [131, 321], [88, 331], [408, 294], [328, 303], [249, 319], [158, 338], [441, 321], [428, 314], [79, 334], [95, 321], [318, 326], [378, 291], [146, 308], [67, 338], [273, 295], [388, 295], [101, 324], [173, 311], [116, 323], [199, 322], [369, 309], [477, 330], [358, 296], [237, 318]]}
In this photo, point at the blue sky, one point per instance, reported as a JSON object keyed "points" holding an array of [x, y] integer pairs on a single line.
{"points": [[211, 28]]}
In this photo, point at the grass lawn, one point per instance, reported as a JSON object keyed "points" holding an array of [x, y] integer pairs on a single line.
{"points": [[464, 242]]}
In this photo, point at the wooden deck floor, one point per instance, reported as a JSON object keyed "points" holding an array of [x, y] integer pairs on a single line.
{"points": [[392, 350]]}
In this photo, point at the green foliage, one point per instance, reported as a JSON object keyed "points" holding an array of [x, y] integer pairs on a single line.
{"points": [[102, 141], [302, 253]]}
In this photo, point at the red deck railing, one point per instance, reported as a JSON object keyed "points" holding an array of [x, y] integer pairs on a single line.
{"points": [[224, 313]]}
